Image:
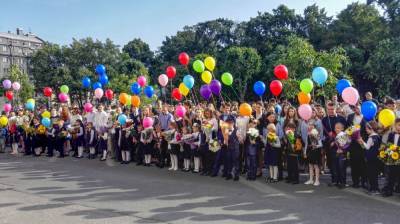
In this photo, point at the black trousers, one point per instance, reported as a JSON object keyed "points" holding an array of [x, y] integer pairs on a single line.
{"points": [[393, 177], [162, 154], [207, 158], [280, 164], [357, 165], [372, 173], [293, 168], [51, 145], [339, 169]]}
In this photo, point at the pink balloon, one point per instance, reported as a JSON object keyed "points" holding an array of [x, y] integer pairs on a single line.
{"points": [[88, 107], [16, 86], [98, 93], [163, 80], [63, 97], [148, 122], [180, 111], [305, 111], [7, 107], [350, 95], [142, 81]]}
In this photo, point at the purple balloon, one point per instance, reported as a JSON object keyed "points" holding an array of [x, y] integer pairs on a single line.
{"points": [[7, 84], [215, 87], [205, 92]]}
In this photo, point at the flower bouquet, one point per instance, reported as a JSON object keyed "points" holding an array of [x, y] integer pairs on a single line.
{"points": [[41, 130], [214, 145], [290, 136], [272, 137], [389, 154], [354, 131], [207, 129], [342, 140], [253, 133]]}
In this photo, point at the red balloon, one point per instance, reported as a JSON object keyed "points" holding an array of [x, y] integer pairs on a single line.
{"points": [[176, 94], [184, 58], [47, 91], [281, 72], [275, 87], [9, 95], [171, 72], [109, 94]]}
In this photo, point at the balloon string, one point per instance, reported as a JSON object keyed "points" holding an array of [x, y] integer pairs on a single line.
{"points": [[235, 93]]}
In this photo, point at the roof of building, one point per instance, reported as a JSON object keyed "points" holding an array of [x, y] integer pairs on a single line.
{"points": [[23, 37]]}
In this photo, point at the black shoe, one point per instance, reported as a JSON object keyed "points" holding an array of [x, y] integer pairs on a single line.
{"points": [[102, 159], [387, 194], [139, 164], [295, 182], [236, 178], [213, 175], [229, 177], [355, 186], [288, 181]]}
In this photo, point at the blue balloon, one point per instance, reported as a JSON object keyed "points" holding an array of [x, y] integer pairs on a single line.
{"points": [[369, 110], [342, 84], [30, 106], [100, 69], [122, 119], [278, 109], [149, 91], [96, 85], [103, 79], [319, 75], [259, 88], [135, 88], [46, 122], [86, 82], [188, 80]]}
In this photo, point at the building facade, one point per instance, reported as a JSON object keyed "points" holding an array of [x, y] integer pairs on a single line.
{"points": [[17, 48]]}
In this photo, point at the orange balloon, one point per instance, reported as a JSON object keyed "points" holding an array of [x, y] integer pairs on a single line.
{"points": [[304, 98], [135, 101], [123, 98], [245, 109]]}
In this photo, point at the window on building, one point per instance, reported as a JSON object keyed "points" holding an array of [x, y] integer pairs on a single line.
{"points": [[4, 48], [5, 59]]}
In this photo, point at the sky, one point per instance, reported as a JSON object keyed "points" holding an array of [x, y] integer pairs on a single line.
{"points": [[59, 21]]}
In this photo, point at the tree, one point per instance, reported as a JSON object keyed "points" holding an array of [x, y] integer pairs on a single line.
{"points": [[392, 12], [27, 90], [139, 50], [315, 25]]}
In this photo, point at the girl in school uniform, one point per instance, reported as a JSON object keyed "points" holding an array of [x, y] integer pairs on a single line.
{"points": [[313, 153], [12, 130], [253, 144], [146, 138], [174, 145], [195, 146], [125, 142], [186, 154], [80, 137], [158, 141], [91, 140], [103, 138], [137, 145], [272, 149], [39, 137]]}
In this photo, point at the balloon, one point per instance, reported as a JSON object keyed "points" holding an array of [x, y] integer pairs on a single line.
{"points": [[386, 117], [369, 110], [135, 88], [3, 120], [259, 88], [205, 92], [86, 82], [206, 76], [350, 95], [142, 81], [88, 107], [122, 119], [180, 111], [30, 106], [319, 75], [46, 122], [109, 94], [215, 87], [16, 86], [7, 84], [97, 85], [47, 91], [209, 62], [188, 80], [31, 101], [149, 91], [63, 97], [183, 89], [281, 72], [123, 98], [198, 66], [245, 110], [304, 98], [100, 69], [306, 85], [342, 84], [227, 79], [64, 89], [103, 79], [98, 93], [305, 111], [163, 80], [46, 114], [148, 122], [7, 107], [135, 100], [183, 58], [278, 109], [9, 95], [171, 72], [176, 94], [275, 87]]}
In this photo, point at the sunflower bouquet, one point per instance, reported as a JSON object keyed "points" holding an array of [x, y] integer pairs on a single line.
{"points": [[272, 137], [354, 131], [389, 154]]}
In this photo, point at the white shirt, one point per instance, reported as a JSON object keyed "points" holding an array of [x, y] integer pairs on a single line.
{"points": [[241, 124], [100, 120], [357, 119]]}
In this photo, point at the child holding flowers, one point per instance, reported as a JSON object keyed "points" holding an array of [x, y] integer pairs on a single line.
{"points": [[292, 153], [273, 146], [313, 153], [340, 146], [253, 144]]}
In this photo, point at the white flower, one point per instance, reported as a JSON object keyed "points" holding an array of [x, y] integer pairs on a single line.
{"points": [[253, 132]]}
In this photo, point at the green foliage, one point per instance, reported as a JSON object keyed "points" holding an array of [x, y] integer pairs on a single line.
{"points": [[139, 50], [27, 90]]}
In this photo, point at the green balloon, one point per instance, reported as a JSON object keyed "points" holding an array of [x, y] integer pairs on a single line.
{"points": [[306, 85], [64, 89], [129, 101], [227, 79], [198, 66]]}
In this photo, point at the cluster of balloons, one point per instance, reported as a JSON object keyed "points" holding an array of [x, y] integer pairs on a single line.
{"points": [[98, 86], [276, 87], [10, 86]]}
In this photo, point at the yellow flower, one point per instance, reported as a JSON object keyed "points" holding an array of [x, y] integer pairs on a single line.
{"points": [[392, 147], [395, 156], [382, 154], [357, 126]]}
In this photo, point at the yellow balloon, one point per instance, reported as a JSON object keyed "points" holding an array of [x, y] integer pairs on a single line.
{"points": [[387, 117], [46, 114], [183, 89], [206, 76], [31, 100], [3, 120], [209, 62]]}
